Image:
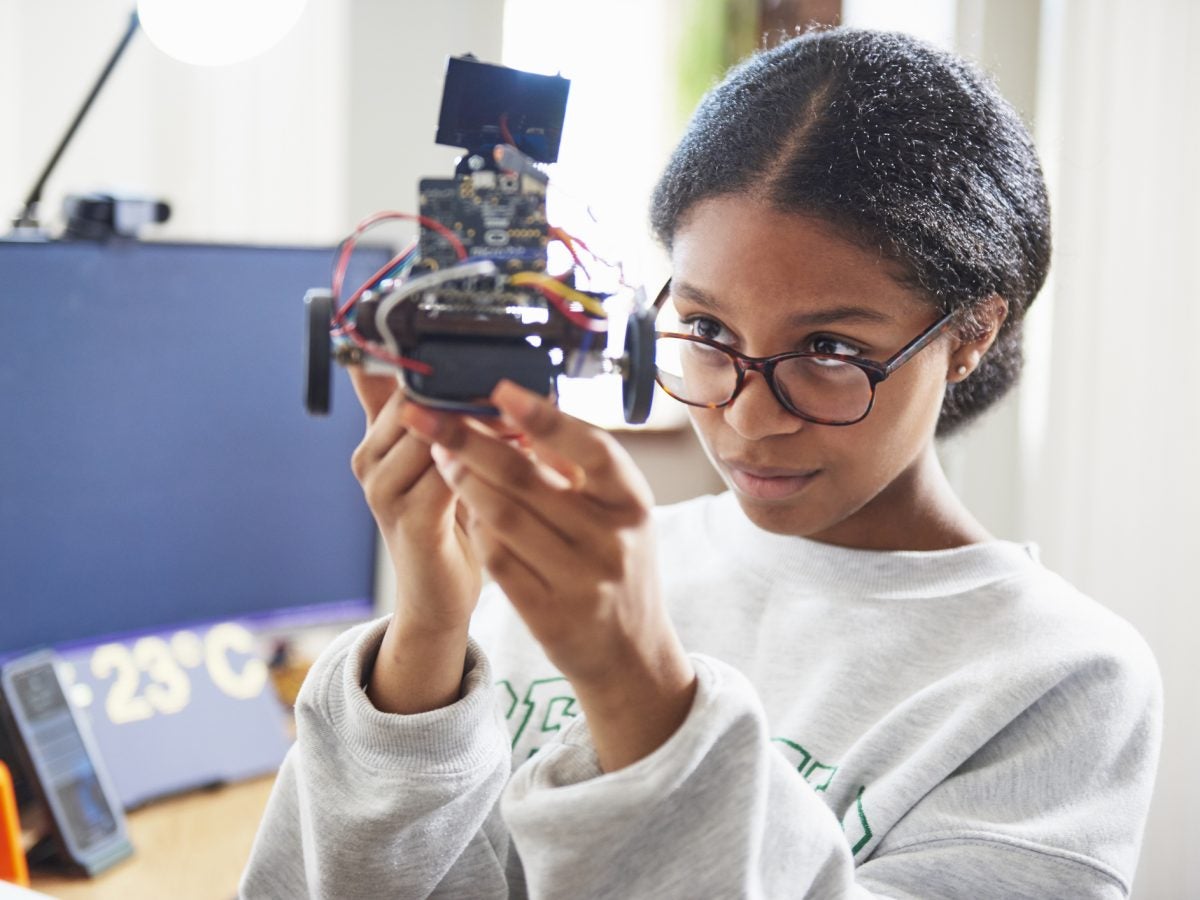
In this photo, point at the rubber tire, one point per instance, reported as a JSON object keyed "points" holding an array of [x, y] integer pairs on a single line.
{"points": [[637, 389], [318, 381]]}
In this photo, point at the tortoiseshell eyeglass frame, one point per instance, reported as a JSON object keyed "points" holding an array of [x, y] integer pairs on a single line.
{"points": [[875, 371]]}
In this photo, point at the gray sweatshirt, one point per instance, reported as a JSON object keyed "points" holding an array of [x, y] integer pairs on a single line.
{"points": [[959, 723]]}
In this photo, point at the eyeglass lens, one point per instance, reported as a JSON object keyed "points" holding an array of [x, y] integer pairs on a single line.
{"points": [[824, 388]]}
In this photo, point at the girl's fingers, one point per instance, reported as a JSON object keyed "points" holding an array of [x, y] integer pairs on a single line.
{"points": [[508, 470], [390, 462], [524, 552], [417, 481], [590, 458], [373, 390], [521, 584], [417, 486], [509, 524], [383, 431]]}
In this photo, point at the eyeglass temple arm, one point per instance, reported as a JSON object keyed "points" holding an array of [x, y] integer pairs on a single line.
{"points": [[662, 296], [919, 343]]}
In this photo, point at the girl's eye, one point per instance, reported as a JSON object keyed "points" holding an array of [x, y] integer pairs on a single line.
{"points": [[704, 327], [834, 347]]}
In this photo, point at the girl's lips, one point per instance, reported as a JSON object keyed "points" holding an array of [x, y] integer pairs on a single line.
{"points": [[769, 484]]}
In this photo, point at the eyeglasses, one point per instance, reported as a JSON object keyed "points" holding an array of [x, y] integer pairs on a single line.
{"points": [[825, 388]]}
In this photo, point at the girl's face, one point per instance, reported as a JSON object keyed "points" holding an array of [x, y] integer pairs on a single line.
{"points": [[766, 282]]}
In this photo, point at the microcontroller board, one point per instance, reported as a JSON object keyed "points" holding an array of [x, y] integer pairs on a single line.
{"points": [[497, 215]]}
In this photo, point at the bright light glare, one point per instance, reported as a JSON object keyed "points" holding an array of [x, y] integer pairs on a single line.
{"points": [[217, 32], [614, 137], [617, 134]]}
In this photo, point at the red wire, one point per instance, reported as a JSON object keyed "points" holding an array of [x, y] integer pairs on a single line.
{"points": [[357, 295], [505, 133], [592, 253], [339, 274], [339, 277], [567, 241], [374, 350]]}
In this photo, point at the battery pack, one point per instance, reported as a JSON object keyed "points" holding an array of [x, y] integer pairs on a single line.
{"points": [[467, 370]]}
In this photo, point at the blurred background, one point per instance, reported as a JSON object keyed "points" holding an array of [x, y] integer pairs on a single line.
{"points": [[1094, 458]]}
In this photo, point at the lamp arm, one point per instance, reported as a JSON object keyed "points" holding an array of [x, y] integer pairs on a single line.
{"points": [[28, 216]]}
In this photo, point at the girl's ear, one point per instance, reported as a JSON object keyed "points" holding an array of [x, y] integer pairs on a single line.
{"points": [[977, 335]]}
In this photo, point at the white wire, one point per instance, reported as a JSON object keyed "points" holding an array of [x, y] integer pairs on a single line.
{"points": [[394, 298]]}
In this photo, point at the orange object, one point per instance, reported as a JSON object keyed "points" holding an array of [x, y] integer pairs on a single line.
{"points": [[12, 854]]}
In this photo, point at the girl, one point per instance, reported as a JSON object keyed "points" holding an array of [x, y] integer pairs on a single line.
{"points": [[829, 681]]}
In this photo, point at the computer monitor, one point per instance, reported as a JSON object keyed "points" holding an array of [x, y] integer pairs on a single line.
{"points": [[156, 463]]}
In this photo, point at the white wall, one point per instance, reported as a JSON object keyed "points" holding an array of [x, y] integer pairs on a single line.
{"points": [[10, 67], [1116, 490], [253, 152], [396, 63]]}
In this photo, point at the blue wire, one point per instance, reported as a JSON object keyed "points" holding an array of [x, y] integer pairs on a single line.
{"points": [[588, 337], [394, 270]]}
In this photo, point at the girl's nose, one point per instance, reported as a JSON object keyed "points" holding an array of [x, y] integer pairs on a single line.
{"points": [[756, 413]]}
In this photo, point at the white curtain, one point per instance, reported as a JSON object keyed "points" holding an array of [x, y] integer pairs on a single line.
{"points": [[1112, 468]]}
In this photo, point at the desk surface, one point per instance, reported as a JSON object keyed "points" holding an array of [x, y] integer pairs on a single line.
{"points": [[191, 847]]}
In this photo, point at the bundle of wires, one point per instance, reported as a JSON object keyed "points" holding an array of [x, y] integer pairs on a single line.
{"points": [[582, 310]]}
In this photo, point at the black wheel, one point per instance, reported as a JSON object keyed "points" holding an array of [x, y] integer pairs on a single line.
{"points": [[637, 389], [318, 307]]}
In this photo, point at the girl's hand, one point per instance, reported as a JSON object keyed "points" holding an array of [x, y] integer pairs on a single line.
{"points": [[438, 575], [564, 527]]}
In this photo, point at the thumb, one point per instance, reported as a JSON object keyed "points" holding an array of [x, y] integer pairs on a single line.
{"points": [[373, 390]]}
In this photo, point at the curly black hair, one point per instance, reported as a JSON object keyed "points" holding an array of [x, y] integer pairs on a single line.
{"points": [[900, 147]]}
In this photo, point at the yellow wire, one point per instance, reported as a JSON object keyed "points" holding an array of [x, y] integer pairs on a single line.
{"points": [[550, 283]]}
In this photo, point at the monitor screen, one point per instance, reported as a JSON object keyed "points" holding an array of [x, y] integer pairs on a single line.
{"points": [[156, 462]]}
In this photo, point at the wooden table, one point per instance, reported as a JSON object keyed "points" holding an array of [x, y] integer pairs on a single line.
{"points": [[190, 847]]}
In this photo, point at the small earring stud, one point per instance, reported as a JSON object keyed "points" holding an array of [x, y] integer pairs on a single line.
{"points": [[962, 370]]}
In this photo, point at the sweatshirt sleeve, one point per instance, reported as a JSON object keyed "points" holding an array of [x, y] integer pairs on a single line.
{"points": [[374, 804], [715, 807], [718, 807]]}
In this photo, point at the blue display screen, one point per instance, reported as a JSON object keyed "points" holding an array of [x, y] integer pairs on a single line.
{"points": [[156, 462]]}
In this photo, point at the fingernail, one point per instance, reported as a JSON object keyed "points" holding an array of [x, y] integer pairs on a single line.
{"points": [[421, 420], [517, 403]]}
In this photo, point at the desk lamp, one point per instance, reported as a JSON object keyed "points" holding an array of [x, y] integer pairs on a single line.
{"points": [[199, 32]]}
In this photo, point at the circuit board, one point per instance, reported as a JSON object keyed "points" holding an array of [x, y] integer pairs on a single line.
{"points": [[497, 215]]}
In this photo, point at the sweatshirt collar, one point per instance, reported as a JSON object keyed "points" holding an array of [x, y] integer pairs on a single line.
{"points": [[882, 574]]}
